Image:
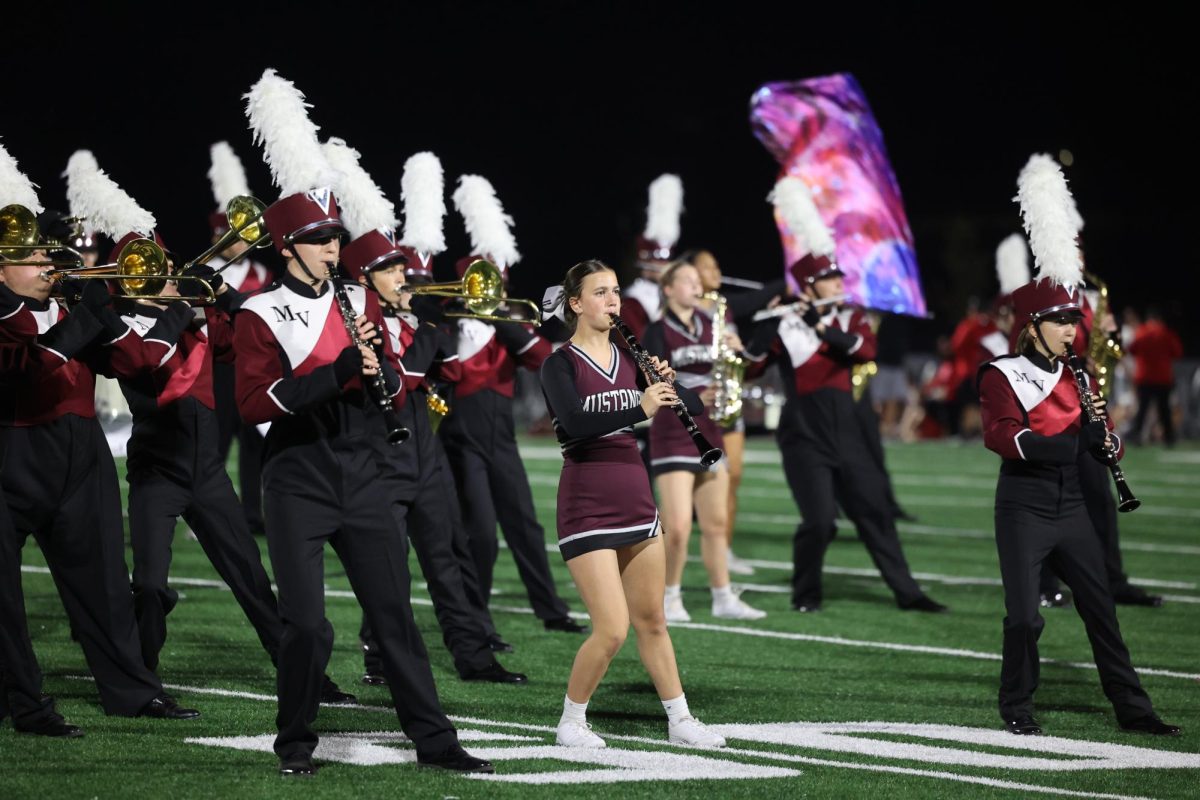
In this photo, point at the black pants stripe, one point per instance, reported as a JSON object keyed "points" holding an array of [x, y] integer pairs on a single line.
{"points": [[347, 513], [211, 509], [1058, 532], [60, 484]]}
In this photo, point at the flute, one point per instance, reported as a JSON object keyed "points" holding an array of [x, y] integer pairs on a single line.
{"points": [[787, 308], [709, 455]]}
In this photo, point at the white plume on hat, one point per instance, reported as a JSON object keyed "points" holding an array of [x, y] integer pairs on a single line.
{"points": [[489, 227], [103, 205], [279, 118], [664, 210], [1046, 211], [14, 186], [364, 206], [794, 205], [1012, 263], [226, 174], [422, 188]]}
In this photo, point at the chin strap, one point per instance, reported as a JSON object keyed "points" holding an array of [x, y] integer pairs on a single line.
{"points": [[313, 279]]}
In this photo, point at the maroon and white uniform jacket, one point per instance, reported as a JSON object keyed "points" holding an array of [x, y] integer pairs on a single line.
{"points": [[688, 349], [286, 340], [819, 413], [641, 304], [1031, 412], [69, 387]]}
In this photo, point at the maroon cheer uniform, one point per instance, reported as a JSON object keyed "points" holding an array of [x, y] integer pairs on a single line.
{"points": [[688, 349], [1031, 417], [604, 498], [175, 469], [481, 443], [825, 455], [321, 485], [60, 484]]}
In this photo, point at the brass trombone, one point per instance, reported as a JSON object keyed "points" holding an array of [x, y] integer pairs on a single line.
{"points": [[244, 213], [142, 269], [482, 291], [20, 236]]}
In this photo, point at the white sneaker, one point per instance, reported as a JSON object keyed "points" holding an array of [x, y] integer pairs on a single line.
{"points": [[572, 733], [674, 610], [733, 607], [692, 731], [737, 566]]}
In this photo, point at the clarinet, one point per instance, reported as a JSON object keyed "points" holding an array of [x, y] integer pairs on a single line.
{"points": [[1127, 502], [709, 455], [377, 385]]}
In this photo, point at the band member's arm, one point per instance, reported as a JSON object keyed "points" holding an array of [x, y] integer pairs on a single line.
{"points": [[63, 341], [1006, 432], [653, 340], [763, 348], [691, 400], [129, 355], [220, 330], [565, 405], [743, 304], [418, 360], [526, 346], [858, 344], [388, 365]]}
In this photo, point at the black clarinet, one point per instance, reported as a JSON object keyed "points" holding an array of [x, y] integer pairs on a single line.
{"points": [[709, 455], [376, 386], [1126, 500]]}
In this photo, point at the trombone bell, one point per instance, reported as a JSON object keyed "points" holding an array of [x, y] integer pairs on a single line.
{"points": [[482, 291]]}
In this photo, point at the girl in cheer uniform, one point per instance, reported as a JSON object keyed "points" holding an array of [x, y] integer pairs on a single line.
{"points": [[608, 525]]}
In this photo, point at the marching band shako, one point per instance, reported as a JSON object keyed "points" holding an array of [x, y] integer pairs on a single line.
{"points": [[301, 215], [371, 251], [418, 265], [811, 268], [1039, 299]]}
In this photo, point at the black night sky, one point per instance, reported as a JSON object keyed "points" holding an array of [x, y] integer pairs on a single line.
{"points": [[571, 109]]}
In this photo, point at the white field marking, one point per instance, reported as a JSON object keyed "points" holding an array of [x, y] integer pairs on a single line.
{"points": [[1184, 457], [396, 737], [803, 637]]}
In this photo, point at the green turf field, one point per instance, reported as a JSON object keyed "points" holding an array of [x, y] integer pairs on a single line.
{"points": [[789, 680]]}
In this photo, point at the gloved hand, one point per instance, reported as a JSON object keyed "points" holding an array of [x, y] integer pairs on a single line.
{"points": [[811, 317], [1091, 437], [348, 364], [201, 271], [428, 309]]}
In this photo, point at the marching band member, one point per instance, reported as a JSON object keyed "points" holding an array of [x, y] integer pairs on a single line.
{"points": [[306, 363], [608, 526], [60, 484], [683, 337], [642, 300], [245, 277], [824, 455], [1031, 414], [479, 435], [417, 473]]}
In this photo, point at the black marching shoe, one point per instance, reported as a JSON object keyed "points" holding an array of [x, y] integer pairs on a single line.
{"points": [[373, 678], [331, 694], [455, 759], [924, 603], [807, 607], [498, 645], [1024, 725], [297, 766], [1152, 725], [494, 673], [53, 726], [1129, 595], [165, 707], [565, 624], [1054, 599]]}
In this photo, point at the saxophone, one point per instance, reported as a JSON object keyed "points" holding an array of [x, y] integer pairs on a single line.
{"points": [[729, 368], [1104, 350]]}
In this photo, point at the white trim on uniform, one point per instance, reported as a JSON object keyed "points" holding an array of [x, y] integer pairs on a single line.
{"points": [[529, 345], [15, 311], [857, 344], [601, 531], [1017, 442], [52, 350], [654, 462], [128, 330], [611, 374], [271, 394], [170, 349]]}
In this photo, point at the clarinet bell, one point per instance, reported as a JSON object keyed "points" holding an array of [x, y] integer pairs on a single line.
{"points": [[398, 435], [714, 454]]}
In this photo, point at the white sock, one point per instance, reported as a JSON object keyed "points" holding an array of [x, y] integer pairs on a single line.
{"points": [[722, 592], [673, 591], [676, 709], [572, 711]]}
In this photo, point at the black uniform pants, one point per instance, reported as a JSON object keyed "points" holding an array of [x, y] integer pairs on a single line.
{"points": [[493, 487], [1160, 398], [341, 505], [211, 509], [860, 488], [1059, 532], [250, 445], [60, 484]]}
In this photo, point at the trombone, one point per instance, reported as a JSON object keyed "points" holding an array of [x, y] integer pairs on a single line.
{"points": [[244, 213], [20, 236], [142, 269], [482, 291]]}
